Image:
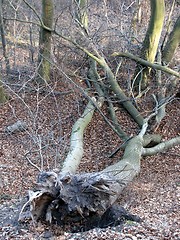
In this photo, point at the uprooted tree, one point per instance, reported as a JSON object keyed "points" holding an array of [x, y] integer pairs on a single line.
{"points": [[67, 196]]}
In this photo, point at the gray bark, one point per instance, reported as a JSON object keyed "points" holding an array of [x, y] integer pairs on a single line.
{"points": [[65, 195], [161, 147], [146, 63], [172, 43], [75, 154], [18, 126]]}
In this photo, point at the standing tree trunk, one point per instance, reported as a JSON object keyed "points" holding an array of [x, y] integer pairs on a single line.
{"points": [[151, 41], [172, 43], [81, 14], [3, 39], [2, 93], [170, 48], [45, 41]]}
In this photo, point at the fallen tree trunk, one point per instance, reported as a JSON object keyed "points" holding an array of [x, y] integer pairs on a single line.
{"points": [[161, 147], [75, 154], [68, 197], [147, 63]]}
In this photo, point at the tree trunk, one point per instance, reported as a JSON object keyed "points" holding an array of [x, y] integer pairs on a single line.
{"points": [[81, 14], [45, 42], [67, 197], [151, 41], [147, 63], [3, 39], [121, 95], [2, 93], [129, 166], [75, 154], [172, 43], [71, 197]]}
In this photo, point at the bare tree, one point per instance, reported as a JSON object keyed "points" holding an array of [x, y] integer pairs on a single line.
{"points": [[2, 93], [66, 194], [172, 43], [45, 41], [63, 195], [3, 39], [151, 42]]}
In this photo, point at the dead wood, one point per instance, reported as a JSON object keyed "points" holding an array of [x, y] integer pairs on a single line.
{"points": [[161, 147], [88, 197], [18, 126], [146, 63], [72, 198], [58, 198], [75, 154], [102, 92]]}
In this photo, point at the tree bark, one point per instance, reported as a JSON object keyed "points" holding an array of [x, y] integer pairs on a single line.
{"points": [[67, 196], [172, 43], [161, 147], [98, 84], [3, 39], [121, 95], [81, 14], [2, 93], [75, 154], [45, 42], [129, 166], [147, 63], [151, 41], [3, 96]]}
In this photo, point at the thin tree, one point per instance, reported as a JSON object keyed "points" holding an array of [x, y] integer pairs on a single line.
{"points": [[172, 43], [3, 39], [45, 41], [3, 96], [81, 14]]}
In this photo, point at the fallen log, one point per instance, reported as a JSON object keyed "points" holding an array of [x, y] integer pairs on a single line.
{"points": [[69, 197]]}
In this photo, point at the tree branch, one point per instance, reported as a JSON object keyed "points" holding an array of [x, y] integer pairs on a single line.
{"points": [[151, 139], [114, 84], [75, 154], [96, 79], [146, 63], [161, 147], [36, 13]]}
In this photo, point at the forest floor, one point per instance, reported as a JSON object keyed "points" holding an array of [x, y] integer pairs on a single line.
{"points": [[49, 115], [153, 195]]}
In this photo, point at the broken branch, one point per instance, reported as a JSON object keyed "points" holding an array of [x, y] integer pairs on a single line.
{"points": [[146, 63]]}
